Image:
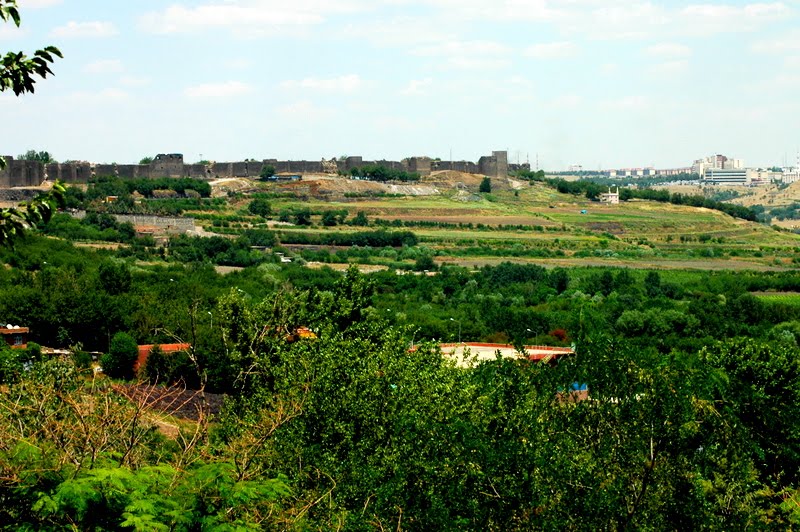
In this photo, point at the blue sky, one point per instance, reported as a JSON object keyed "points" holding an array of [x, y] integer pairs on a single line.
{"points": [[602, 83]]}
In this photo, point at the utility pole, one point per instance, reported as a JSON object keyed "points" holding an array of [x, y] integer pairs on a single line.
{"points": [[459, 328]]}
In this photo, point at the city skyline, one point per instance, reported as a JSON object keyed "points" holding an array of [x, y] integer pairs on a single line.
{"points": [[603, 84]]}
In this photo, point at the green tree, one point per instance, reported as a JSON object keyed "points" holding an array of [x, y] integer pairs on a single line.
{"points": [[425, 263], [122, 354], [486, 185], [302, 216], [115, 277], [18, 72], [329, 218], [43, 157], [260, 207], [765, 396], [652, 284], [267, 171], [146, 160], [15, 221], [360, 219]]}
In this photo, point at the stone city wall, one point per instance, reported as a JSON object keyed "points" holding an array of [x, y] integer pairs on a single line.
{"points": [[18, 194], [30, 173]]}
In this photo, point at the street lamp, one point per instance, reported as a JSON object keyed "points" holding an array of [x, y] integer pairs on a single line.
{"points": [[459, 328]]}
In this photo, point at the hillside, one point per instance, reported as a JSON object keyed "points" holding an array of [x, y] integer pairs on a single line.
{"points": [[537, 224]]}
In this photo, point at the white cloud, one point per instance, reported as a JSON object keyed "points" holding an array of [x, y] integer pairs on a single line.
{"points": [[669, 69], [499, 10], [134, 81], [218, 90], [625, 20], [637, 19], [37, 4], [110, 95], [249, 15], [609, 69], [240, 63], [349, 83], [417, 87], [627, 103], [85, 29], [468, 54], [304, 111], [715, 18], [552, 50], [104, 66], [668, 49], [10, 31], [395, 31], [394, 123], [566, 101], [780, 45]]}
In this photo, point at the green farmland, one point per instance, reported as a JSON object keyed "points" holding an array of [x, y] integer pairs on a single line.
{"points": [[539, 225]]}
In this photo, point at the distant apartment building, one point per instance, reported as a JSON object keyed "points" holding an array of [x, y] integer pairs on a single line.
{"points": [[621, 173], [765, 177], [728, 176], [790, 175], [716, 162]]}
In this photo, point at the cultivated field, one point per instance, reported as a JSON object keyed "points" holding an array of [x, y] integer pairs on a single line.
{"points": [[536, 224]]}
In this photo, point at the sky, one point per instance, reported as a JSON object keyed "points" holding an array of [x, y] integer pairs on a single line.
{"points": [[600, 83]]}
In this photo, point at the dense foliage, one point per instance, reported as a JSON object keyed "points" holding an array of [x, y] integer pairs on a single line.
{"points": [[94, 226], [42, 156], [103, 186], [351, 430], [18, 72], [690, 421], [383, 173]]}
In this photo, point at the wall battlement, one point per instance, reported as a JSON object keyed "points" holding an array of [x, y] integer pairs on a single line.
{"points": [[30, 173]]}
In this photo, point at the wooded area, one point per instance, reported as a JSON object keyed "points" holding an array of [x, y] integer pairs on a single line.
{"points": [[691, 419]]}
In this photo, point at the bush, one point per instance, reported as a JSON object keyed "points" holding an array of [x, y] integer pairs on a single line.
{"points": [[122, 354], [260, 207], [267, 171]]}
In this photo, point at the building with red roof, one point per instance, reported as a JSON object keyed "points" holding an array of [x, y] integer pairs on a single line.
{"points": [[144, 352]]}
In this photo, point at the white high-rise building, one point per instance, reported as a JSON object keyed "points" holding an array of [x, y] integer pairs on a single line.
{"points": [[716, 162]]}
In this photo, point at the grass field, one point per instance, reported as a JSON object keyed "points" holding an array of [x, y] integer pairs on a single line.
{"points": [[783, 298]]}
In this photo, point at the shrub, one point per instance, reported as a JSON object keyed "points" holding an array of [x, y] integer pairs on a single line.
{"points": [[260, 207], [122, 354]]}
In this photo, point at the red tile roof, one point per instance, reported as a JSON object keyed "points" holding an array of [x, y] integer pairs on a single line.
{"points": [[144, 352]]}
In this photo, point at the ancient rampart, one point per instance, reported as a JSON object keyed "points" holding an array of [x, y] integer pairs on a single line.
{"points": [[30, 173]]}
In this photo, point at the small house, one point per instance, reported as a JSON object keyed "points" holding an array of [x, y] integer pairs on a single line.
{"points": [[15, 336], [612, 198], [144, 352]]}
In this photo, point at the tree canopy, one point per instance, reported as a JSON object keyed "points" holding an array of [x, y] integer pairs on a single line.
{"points": [[43, 157], [18, 73]]}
